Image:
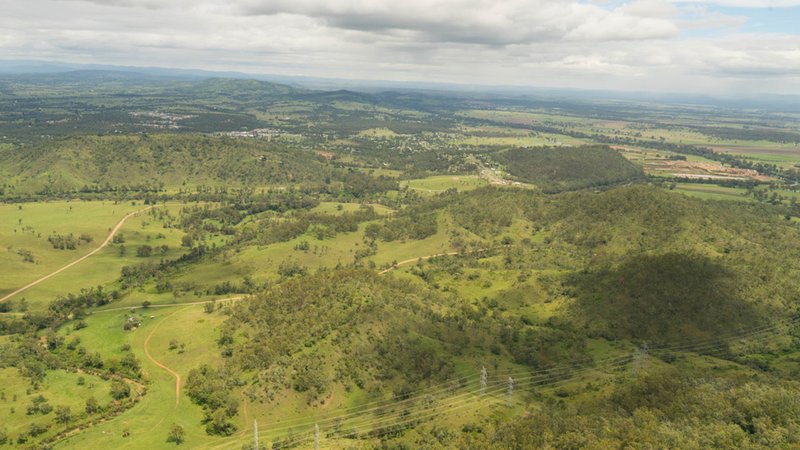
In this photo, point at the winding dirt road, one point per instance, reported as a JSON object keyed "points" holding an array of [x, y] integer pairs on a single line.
{"points": [[52, 274], [413, 260], [158, 363]]}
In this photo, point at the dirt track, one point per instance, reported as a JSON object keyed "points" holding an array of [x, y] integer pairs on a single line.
{"points": [[158, 363], [108, 239], [413, 260]]}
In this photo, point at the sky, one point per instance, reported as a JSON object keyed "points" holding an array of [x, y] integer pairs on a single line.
{"points": [[721, 47]]}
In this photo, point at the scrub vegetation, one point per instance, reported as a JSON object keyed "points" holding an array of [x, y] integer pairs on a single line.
{"points": [[391, 270]]}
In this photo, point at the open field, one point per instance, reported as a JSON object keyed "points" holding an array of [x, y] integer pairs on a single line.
{"points": [[149, 421], [60, 389], [26, 227], [444, 182], [104, 266], [784, 157], [713, 192]]}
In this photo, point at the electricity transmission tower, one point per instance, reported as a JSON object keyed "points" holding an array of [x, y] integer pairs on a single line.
{"points": [[510, 391], [255, 434], [639, 358]]}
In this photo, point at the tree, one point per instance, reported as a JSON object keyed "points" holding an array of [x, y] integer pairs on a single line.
{"points": [[92, 406], [187, 240], [176, 434], [218, 424], [144, 251], [120, 390], [63, 414]]}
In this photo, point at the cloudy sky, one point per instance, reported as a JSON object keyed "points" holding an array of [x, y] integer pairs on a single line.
{"points": [[712, 46]]}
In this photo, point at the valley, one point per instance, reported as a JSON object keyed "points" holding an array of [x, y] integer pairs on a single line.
{"points": [[211, 263]]}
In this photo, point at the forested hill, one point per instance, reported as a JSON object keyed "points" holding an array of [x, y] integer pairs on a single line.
{"points": [[561, 169], [155, 161], [629, 264]]}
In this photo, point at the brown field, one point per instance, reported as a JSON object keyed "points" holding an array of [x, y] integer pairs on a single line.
{"points": [[655, 164]]}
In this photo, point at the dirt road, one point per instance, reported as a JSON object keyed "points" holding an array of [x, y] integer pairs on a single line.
{"points": [[413, 260], [158, 363], [52, 274]]}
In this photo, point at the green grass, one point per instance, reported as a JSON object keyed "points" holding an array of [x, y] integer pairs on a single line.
{"points": [[781, 159], [104, 267], [336, 208], [441, 183], [60, 388], [26, 226], [713, 192], [149, 420], [377, 133]]}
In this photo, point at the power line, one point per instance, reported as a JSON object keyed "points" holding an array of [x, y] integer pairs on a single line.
{"points": [[543, 377], [547, 377]]}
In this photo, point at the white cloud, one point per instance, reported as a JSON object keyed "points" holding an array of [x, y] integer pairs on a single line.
{"points": [[650, 8], [755, 4], [481, 21], [701, 17], [639, 44]]}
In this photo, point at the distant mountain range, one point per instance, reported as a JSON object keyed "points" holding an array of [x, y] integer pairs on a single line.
{"points": [[744, 101]]}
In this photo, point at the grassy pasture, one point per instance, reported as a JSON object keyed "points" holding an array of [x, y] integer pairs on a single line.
{"points": [[26, 227], [149, 420], [713, 192], [377, 133], [263, 262], [104, 267], [333, 208], [441, 183], [60, 388], [785, 158], [380, 172]]}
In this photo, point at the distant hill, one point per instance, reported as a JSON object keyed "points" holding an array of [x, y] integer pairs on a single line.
{"points": [[110, 162], [556, 169]]}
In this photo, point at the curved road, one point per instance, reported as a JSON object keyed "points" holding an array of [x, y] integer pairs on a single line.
{"points": [[158, 363], [190, 304], [413, 260], [108, 239]]}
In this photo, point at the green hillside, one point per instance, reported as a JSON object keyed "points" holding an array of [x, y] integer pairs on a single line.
{"points": [[556, 169], [152, 161], [197, 263]]}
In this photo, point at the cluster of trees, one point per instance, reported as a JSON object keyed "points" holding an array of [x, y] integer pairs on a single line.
{"points": [[359, 185], [676, 407], [63, 242], [304, 333], [211, 388], [555, 169], [324, 226], [749, 133], [407, 225], [74, 305]]}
